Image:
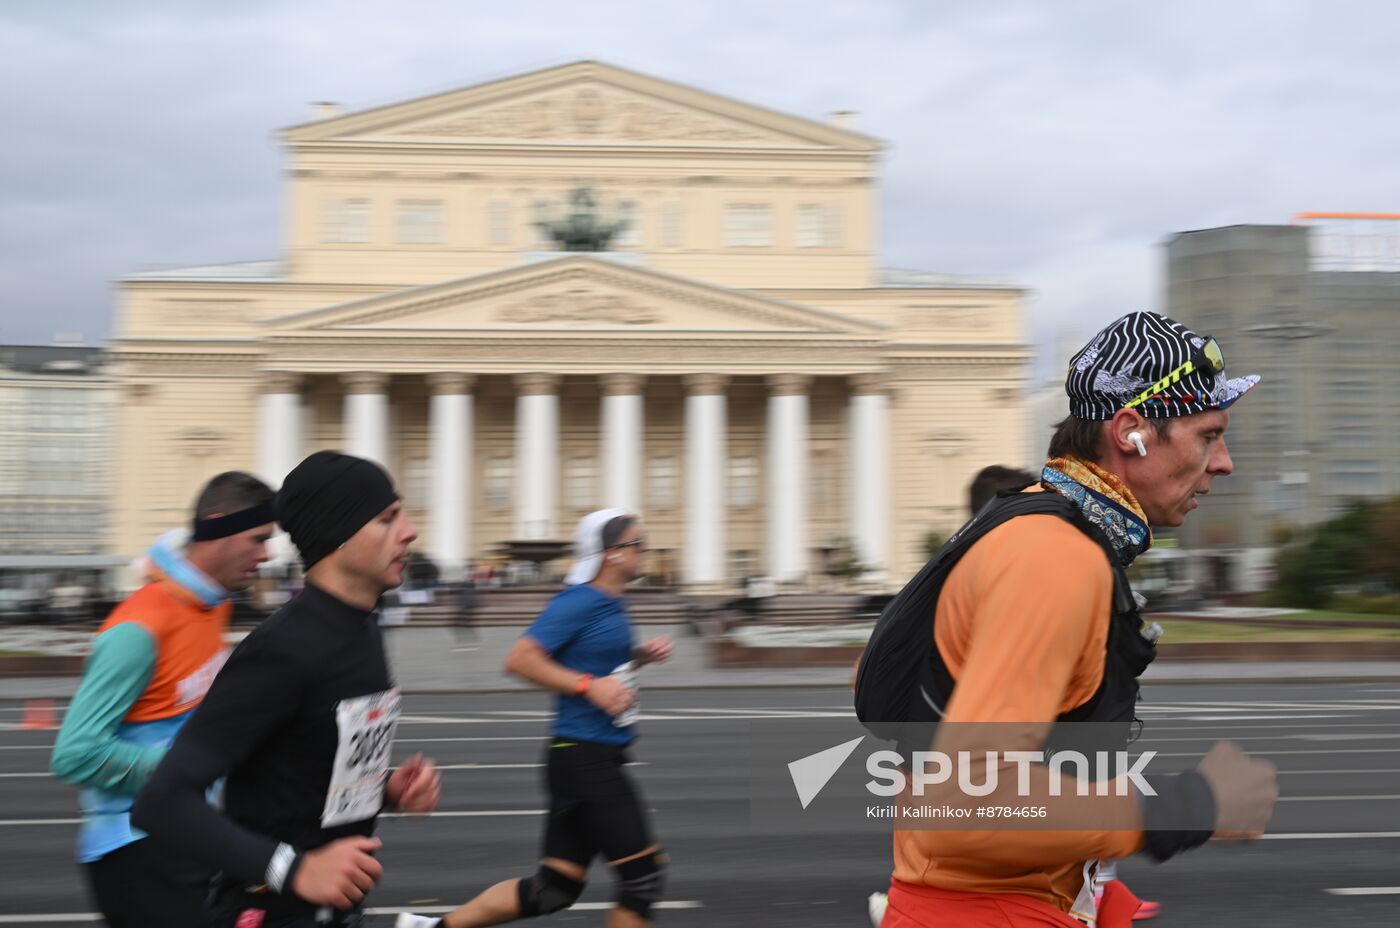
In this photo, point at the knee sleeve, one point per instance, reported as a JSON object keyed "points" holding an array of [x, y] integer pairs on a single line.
{"points": [[547, 891], [640, 881]]}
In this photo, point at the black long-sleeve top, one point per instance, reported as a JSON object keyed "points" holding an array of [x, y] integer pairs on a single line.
{"points": [[306, 693]]}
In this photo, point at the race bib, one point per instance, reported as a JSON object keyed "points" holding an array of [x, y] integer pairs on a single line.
{"points": [[627, 676], [365, 727]]}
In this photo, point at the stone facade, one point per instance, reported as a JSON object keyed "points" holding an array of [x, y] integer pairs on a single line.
{"points": [[739, 368]]}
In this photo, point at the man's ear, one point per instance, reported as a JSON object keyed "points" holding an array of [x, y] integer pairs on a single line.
{"points": [[1125, 422]]}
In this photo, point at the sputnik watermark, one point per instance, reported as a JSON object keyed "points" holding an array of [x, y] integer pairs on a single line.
{"points": [[977, 773], [934, 768]]}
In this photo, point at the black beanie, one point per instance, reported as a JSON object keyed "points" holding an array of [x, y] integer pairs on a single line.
{"points": [[329, 497]]}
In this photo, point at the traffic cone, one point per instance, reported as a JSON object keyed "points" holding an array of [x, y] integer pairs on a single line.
{"points": [[38, 715]]}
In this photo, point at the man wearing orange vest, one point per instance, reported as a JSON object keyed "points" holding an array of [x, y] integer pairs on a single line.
{"points": [[150, 666]]}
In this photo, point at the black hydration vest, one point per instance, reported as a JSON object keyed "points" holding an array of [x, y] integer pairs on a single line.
{"points": [[903, 684]]}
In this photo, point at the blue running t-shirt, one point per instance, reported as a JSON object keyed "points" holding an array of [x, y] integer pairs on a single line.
{"points": [[585, 630]]}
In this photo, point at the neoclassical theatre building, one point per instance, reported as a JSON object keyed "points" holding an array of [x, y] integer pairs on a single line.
{"points": [[735, 364]]}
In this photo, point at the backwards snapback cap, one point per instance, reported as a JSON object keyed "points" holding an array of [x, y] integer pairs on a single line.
{"points": [[1156, 365], [589, 546]]}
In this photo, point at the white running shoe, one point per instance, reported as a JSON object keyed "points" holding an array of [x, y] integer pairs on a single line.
{"points": [[409, 920], [878, 903]]}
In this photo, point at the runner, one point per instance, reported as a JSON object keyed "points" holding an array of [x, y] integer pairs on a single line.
{"points": [[581, 648], [151, 663], [1033, 624], [983, 489], [301, 721]]}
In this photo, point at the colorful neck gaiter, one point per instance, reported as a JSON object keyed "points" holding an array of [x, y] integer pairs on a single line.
{"points": [[1105, 500]]}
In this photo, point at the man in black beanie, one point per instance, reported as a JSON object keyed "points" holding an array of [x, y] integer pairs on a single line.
{"points": [[301, 722]]}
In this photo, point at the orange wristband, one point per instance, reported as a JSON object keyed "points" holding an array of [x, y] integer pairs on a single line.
{"points": [[584, 682]]}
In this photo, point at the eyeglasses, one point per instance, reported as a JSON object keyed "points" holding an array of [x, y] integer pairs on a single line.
{"points": [[1209, 356], [635, 543], [1208, 359]]}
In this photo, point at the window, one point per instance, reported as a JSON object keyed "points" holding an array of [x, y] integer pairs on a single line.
{"points": [[748, 225], [540, 215], [630, 235], [415, 483], [743, 482], [672, 225], [498, 222], [345, 221], [818, 225], [419, 222], [498, 483], [581, 483], [662, 480]]}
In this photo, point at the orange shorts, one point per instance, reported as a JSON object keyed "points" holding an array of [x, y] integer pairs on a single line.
{"points": [[912, 906]]}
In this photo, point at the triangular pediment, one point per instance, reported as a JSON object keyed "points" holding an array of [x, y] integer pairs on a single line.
{"points": [[575, 294], [585, 104]]}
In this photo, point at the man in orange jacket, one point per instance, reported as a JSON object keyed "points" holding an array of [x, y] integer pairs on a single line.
{"points": [[1022, 626]]}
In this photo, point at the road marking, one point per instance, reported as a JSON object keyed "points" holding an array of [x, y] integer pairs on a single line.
{"points": [[61, 918], [1330, 836], [1364, 891]]}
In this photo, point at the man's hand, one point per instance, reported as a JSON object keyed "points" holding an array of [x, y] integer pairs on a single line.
{"points": [[415, 786], [338, 874], [611, 695], [1245, 789], [656, 651]]}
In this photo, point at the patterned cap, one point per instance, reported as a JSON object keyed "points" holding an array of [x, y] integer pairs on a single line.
{"points": [[1153, 364]]}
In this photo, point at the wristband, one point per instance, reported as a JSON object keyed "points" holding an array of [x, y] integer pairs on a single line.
{"points": [[584, 682], [279, 867]]}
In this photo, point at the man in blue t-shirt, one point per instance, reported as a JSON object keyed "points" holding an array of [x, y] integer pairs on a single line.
{"points": [[581, 647]]}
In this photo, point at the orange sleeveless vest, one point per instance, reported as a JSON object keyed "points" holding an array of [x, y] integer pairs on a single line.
{"points": [[189, 646]]}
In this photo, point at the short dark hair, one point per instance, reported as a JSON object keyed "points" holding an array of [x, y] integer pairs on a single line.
{"points": [[230, 492], [615, 528], [990, 479], [1079, 438]]}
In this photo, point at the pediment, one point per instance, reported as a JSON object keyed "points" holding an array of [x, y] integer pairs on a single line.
{"points": [[581, 104], [575, 294]]}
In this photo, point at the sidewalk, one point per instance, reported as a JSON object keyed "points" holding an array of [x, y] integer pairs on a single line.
{"points": [[426, 660]]}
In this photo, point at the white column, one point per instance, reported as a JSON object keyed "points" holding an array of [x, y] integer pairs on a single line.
{"points": [[279, 426], [706, 461], [870, 471], [366, 426], [450, 456], [787, 477], [536, 456], [622, 441]]}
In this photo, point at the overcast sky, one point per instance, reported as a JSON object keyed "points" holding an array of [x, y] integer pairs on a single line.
{"points": [[1052, 143]]}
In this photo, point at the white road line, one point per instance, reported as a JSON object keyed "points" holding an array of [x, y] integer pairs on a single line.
{"points": [[1331, 836], [68, 918], [1364, 891], [1376, 798]]}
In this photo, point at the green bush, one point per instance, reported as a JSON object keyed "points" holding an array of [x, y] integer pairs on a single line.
{"points": [[1371, 605]]}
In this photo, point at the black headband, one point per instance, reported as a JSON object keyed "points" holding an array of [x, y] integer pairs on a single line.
{"points": [[233, 523]]}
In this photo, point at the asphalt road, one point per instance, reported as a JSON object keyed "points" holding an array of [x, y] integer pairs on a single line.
{"points": [[1332, 858]]}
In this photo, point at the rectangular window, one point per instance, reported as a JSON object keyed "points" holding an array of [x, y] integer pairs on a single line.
{"points": [[498, 222], [581, 483], [540, 211], [748, 225], [672, 225], [498, 483], [662, 483], [743, 482], [419, 222], [630, 235], [345, 220], [818, 225]]}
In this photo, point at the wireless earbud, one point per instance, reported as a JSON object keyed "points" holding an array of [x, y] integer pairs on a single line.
{"points": [[1136, 438]]}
